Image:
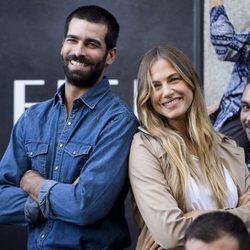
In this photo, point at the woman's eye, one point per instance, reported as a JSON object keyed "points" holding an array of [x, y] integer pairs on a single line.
{"points": [[157, 86], [175, 79]]}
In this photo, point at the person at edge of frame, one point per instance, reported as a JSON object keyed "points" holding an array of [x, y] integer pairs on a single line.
{"points": [[234, 47], [217, 230]]}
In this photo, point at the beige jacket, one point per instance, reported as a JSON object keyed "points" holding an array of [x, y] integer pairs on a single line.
{"points": [[156, 210]]}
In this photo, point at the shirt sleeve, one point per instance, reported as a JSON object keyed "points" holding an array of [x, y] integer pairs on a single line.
{"points": [[158, 208], [32, 212], [100, 182], [229, 45], [12, 166]]}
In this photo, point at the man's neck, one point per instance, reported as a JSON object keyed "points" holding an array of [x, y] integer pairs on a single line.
{"points": [[72, 93]]}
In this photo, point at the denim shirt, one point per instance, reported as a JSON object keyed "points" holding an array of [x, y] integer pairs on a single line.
{"points": [[234, 47], [84, 160]]}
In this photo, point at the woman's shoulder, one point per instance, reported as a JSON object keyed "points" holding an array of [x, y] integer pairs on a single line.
{"points": [[227, 142], [143, 138], [231, 152]]}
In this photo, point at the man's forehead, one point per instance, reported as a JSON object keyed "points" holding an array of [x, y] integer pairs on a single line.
{"points": [[91, 25], [246, 93], [226, 242]]}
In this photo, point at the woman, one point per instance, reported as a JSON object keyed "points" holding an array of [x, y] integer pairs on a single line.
{"points": [[179, 166]]}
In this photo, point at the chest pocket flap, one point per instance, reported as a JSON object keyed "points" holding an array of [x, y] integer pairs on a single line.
{"points": [[77, 149], [36, 148]]}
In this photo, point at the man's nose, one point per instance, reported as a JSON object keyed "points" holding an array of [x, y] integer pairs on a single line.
{"points": [[247, 116], [80, 50]]}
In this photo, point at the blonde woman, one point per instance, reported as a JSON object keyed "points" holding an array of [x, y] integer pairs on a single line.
{"points": [[179, 166]]}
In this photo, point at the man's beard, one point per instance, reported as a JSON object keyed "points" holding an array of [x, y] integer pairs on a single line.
{"points": [[83, 79]]}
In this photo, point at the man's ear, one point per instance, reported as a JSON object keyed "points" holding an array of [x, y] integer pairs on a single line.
{"points": [[111, 56]]}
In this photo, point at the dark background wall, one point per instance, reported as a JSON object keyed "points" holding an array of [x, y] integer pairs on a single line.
{"points": [[31, 36]]}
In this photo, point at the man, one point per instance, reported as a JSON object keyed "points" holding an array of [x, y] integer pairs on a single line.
{"points": [[65, 169], [234, 47], [245, 110], [217, 231]]}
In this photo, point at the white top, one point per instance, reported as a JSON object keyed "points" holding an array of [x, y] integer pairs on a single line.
{"points": [[199, 196]]}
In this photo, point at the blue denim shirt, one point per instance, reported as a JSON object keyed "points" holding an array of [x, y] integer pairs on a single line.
{"points": [[234, 47], [84, 159]]}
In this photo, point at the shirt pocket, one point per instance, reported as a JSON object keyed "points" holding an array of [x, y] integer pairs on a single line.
{"points": [[37, 152], [75, 157]]}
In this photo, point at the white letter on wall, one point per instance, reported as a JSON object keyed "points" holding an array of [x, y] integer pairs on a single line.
{"points": [[19, 96]]}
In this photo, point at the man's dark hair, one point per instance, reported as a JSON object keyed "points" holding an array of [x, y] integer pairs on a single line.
{"points": [[96, 14], [213, 226], [247, 83], [248, 79]]}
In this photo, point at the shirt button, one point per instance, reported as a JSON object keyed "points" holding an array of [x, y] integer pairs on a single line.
{"points": [[60, 145], [74, 152], [31, 153], [69, 123], [42, 236], [56, 168]]}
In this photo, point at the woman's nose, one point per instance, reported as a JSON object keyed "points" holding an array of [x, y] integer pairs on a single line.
{"points": [[167, 90]]}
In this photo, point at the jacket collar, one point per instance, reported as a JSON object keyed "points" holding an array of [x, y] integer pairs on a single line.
{"points": [[143, 130]]}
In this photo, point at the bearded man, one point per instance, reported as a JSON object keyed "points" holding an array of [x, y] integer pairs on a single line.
{"points": [[64, 172]]}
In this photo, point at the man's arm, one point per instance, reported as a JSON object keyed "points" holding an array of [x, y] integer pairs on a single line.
{"points": [[99, 185], [31, 183], [214, 3], [229, 45], [12, 166]]}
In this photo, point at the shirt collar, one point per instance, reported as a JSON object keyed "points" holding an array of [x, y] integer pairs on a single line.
{"points": [[91, 97]]}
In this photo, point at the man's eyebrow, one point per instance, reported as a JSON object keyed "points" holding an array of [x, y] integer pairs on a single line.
{"points": [[245, 102], [72, 36], [93, 40], [88, 39]]}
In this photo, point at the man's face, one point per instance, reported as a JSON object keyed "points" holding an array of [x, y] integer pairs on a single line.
{"points": [[245, 110], [84, 53], [226, 242]]}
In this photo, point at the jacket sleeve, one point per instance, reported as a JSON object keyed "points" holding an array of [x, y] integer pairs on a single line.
{"points": [[229, 45], [158, 208], [101, 179], [244, 211], [12, 166]]}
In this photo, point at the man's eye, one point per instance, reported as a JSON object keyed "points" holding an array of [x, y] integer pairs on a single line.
{"points": [[93, 45], [244, 107], [70, 40]]}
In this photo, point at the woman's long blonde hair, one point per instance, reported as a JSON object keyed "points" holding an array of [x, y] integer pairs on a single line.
{"points": [[200, 130]]}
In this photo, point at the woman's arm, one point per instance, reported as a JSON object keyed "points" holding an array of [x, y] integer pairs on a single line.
{"points": [[158, 208]]}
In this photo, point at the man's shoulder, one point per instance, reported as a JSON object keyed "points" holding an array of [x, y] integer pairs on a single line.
{"points": [[39, 107], [114, 105]]}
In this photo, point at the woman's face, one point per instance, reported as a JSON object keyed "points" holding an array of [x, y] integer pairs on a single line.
{"points": [[171, 96]]}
